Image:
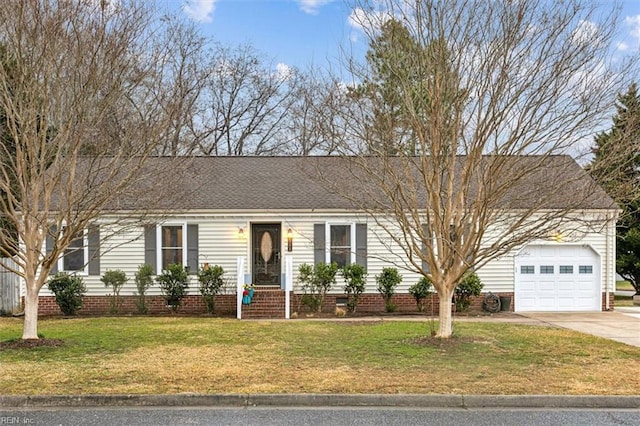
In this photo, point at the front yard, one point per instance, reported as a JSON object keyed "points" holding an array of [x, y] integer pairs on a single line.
{"points": [[212, 355]]}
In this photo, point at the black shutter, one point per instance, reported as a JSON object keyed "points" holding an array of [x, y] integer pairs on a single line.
{"points": [[150, 257], [361, 244], [192, 249], [94, 249], [319, 243], [49, 246], [470, 259], [429, 240]]}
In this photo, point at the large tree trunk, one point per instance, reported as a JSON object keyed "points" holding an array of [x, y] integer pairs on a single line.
{"points": [[445, 326], [30, 327]]}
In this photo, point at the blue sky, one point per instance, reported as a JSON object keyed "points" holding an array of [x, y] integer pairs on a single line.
{"points": [[293, 32], [306, 32]]}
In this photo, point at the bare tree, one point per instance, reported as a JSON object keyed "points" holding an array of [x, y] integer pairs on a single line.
{"points": [[504, 86], [183, 62], [244, 105], [82, 116], [311, 126]]}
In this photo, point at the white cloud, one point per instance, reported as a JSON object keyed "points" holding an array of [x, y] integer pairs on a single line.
{"points": [[311, 6], [284, 71], [622, 46], [199, 10], [634, 23], [366, 21], [584, 33]]}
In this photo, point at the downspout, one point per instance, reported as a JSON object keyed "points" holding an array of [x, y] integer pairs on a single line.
{"points": [[606, 285], [612, 275]]}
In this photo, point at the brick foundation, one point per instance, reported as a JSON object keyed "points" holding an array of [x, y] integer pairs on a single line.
{"points": [[266, 303], [99, 305], [405, 303], [611, 300]]}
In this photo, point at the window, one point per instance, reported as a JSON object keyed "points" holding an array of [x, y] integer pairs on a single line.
{"points": [[566, 269], [585, 269], [546, 269], [343, 243], [340, 244], [527, 269], [172, 245], [75, 256]]}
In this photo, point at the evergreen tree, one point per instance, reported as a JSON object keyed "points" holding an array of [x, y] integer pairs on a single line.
{"points": [[394, 78], [403, 71], [616, 166]]}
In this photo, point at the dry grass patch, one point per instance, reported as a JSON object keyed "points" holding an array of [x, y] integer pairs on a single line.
{"points": [[208, 355]]}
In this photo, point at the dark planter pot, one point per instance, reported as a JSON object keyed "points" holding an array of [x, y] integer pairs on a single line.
{"points": [[505, 303]]}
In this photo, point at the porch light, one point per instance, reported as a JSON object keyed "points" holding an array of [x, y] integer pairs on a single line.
{"points": [[558, 237], [289, 240], [240, 232]]}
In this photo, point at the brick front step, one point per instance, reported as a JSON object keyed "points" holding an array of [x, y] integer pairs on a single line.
{"points": [[266, 303]]}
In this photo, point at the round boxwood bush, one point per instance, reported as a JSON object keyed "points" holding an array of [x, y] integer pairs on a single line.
{"points": [[420, 291], [68, 290], [470, 286], [173, 282]]}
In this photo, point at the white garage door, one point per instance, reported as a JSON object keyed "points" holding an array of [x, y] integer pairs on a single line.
{"points": [[557, 278]]}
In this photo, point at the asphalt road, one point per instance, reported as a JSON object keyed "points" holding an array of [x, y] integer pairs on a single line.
{"points": [[264, 416]]}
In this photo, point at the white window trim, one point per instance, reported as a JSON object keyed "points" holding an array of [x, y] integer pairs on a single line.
{"points": [[159, 243], [85, 251], [327, 239]]}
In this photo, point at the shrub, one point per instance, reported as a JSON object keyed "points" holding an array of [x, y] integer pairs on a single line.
{"points": [[68, 290], [420, 291], [114, 279], [211, 283], [174, 282], [468, 287], [387, 281], [316, 282], [354, 277], [144, 280]]}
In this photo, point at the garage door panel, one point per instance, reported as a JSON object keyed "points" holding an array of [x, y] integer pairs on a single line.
{"points": [[566, 303], [546, 286], [526, 286], [528, 303]]}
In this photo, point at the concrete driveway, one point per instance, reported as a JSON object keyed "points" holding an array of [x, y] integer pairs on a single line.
{"points": [[621, 325]]}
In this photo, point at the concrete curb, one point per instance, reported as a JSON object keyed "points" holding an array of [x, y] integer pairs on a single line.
{"points": [[323, 400]]}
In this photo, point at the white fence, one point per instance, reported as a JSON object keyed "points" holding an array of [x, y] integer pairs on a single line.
{"points": [[9, 288]]}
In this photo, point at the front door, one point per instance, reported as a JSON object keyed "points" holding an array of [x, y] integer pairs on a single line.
{"points": [[265, 253]]}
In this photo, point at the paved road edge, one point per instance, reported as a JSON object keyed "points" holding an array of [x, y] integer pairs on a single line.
{"points": [[323, 400]]}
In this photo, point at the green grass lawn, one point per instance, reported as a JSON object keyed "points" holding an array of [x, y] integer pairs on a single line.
{"points": [[624, 285], [624, 300], [212, 355]]}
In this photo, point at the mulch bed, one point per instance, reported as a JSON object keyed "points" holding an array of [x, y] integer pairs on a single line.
{"points": [[30, 343]]}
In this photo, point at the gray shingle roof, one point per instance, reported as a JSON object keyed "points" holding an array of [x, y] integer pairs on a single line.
{"points": [[285, 183]]}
